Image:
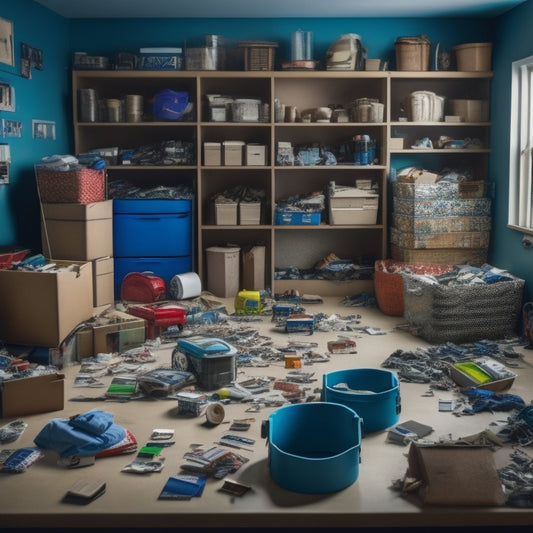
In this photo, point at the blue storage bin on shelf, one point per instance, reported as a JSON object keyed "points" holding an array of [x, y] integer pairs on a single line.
{"points": [[296, 218], [313, 447], [374, 394]]}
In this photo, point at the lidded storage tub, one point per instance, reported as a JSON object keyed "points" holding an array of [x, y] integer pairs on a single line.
{"points": [[313, 447], [373, 393]]}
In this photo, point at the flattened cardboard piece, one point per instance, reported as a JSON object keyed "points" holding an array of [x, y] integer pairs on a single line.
{"points": [[455, 475]]}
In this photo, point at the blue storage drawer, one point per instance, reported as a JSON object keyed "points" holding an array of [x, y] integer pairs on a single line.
{"points": [[164, 267], [152, 235], [136, 206]]}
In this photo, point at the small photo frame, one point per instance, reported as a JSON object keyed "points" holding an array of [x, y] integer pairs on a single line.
{"points": [[6, 42]]}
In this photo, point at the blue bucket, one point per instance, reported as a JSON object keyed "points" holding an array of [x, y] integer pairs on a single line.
{"points": [[314, 447], [374, 394]]}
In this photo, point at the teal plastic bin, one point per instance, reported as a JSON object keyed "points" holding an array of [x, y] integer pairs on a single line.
{"points": [[313, 447], [374, 394]]}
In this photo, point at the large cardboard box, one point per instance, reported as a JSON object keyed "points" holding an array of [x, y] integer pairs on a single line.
{"points": [[42, 308], [253, 268], [26, 396], [103, 281], [124, 331], [223, 270], [80, 232]]}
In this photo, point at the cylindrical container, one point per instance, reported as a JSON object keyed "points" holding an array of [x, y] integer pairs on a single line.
{"points": [[186, 285], [301, 46], [134, 108], [374, 394], [113, 106], [87, 105], [313, 447]]}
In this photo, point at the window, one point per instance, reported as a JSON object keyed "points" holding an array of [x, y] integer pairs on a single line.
{"points": [[521, 146]]}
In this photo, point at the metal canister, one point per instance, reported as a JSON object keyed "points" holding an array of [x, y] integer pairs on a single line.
{"points": [[134, 108], [87, 105]]}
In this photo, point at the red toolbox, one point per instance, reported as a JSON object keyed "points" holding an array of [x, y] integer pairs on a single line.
{"points": [[142, 287], [159, 317]]}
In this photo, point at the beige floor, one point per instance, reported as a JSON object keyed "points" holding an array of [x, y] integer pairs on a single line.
{"points": [[33, 498]]}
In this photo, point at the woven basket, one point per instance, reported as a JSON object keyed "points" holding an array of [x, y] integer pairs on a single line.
{"points": [[389, 286], [82, 186]]}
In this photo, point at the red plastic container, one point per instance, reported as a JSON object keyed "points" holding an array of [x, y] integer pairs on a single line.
{"points": [[142, 287]]}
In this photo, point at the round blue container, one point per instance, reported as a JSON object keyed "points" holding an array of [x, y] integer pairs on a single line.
{"points": [[374, 394], [314, 447]]}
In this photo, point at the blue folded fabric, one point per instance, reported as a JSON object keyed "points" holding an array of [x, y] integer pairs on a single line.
{"points": [[89, 434]]}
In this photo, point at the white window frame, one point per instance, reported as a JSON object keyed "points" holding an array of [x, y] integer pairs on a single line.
{"points": [[521, 147]]}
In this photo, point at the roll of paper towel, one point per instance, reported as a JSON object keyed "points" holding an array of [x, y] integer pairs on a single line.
{"points": [[186, 285]]}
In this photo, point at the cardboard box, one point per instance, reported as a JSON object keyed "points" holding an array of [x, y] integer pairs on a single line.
{"points": [[255, 154], [253, 268], [103, 281], [26, 396], [84, 343], [396, 143], [226, 213], [212, 154], [233, 153], [124, 331], [78, 232], [223, 271], [353, 215], [42, 308], [249, 213]]}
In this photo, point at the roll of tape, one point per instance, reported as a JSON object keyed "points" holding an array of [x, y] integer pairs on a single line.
{"points": [[215, 413], [186, 285]]}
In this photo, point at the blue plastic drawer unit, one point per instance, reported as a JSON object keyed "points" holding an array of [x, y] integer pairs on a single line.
{"points": [[151, 235], [151, 228]]}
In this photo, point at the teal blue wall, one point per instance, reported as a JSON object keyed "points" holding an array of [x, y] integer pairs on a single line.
{"points": [[106, 37], [514, 42], [46, 96]]}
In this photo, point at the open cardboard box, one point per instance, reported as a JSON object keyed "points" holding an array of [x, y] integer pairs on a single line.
{"points": [[43, 308], [26, 396]]}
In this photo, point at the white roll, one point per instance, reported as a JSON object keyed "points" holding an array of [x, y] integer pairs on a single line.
{"points": [[186, 285]]}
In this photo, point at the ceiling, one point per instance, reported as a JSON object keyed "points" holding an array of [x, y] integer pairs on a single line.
{"points": [[75, 9]]}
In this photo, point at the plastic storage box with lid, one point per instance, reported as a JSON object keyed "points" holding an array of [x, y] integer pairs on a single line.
{"points": [[211, 359], [153, 236], [223, 270], [161, 58], [350, 205]]}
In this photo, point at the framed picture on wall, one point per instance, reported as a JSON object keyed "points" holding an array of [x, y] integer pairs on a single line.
{"points": [[6, 42]]}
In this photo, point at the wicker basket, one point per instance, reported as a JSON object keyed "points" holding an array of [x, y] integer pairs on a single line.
{"points": [[388, 282], [258, 55], [82, 186], [412, 53]]}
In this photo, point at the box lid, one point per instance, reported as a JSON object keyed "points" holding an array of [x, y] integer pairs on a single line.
{"points": [[351, 192], [70, 211]]}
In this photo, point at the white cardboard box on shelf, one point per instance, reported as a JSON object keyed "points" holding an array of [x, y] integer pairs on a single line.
{"points": [[233, 153], [350, 205], [212, 154], [226, 213], [255, 154], [249, 213]]}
